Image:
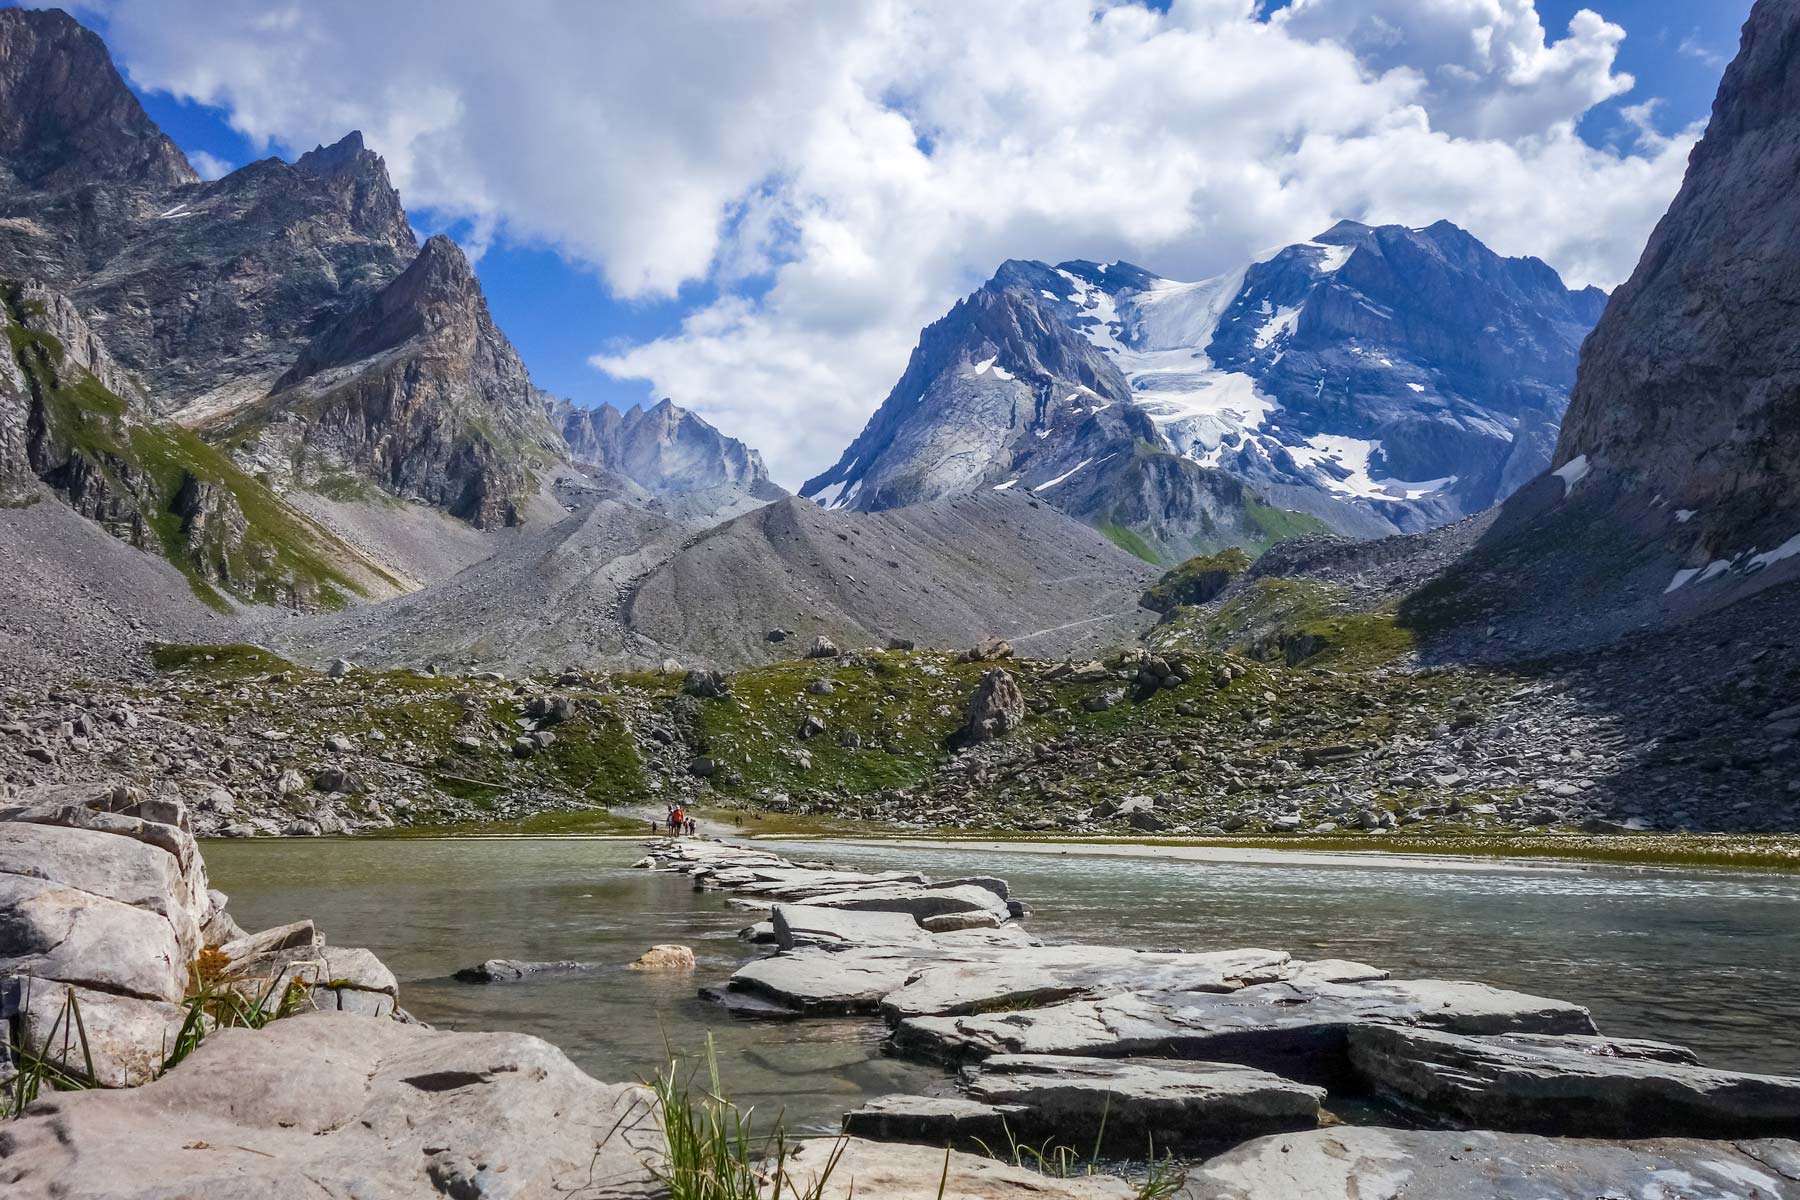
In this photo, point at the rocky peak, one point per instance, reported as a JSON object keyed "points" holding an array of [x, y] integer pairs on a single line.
{"points": [[664, 448], [66, 117], [358, 177], [416, 389], [1689, 389]]}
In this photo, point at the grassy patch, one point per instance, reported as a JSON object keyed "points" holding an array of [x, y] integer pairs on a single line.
{"points": [[238, 660], [900, 715], [1278, 524], [1130, 542]]}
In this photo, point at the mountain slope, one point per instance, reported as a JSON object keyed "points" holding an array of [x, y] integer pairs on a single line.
{"points": [[1375, 378], [616, 585]]}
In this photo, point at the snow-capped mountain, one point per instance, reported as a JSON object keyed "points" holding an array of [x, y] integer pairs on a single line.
{"points": [[1379, 379]]}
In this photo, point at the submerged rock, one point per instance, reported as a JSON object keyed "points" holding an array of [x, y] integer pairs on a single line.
{"points": [[511, 970], [666, 957]]}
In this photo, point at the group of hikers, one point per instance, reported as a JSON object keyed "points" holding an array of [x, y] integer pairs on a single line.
{"points": [[679, 823]]}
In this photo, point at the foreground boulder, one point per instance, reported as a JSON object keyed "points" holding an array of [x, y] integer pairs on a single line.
{"points": [[1295, 1030], [1585, 1086], [1396, 1164], [1129, 1102], [335, 1104]]}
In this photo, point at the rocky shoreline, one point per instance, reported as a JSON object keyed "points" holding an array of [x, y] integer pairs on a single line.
{"points": [[1303, 1077], [1268, 1076]]}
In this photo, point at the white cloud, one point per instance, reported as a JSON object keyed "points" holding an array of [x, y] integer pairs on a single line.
{"points": [[210, 166], [1691, 47], [844, 172]]}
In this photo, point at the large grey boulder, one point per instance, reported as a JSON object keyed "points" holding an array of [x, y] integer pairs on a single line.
{"points": [[1398, 1164], [1586, 1086], [996, 708], [123, 1040], [101, 864], [1130, 1101], [339, 1105], [1293, 1030], [56, 932]]}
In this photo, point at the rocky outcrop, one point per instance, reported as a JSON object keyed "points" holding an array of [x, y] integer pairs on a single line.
{"points": [[415, 388], [511, 970], [1689, 388], [995, 709], [859, 1169], [67, 118], [1398, 1164], [347, 1105]]}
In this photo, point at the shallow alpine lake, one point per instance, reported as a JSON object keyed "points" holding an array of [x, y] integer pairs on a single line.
{"points": [[1708, 960]]}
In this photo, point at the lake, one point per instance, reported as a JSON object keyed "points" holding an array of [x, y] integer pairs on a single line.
{"points": [[1708, 960]]}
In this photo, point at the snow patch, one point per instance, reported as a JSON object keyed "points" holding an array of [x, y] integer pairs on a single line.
{"points": [[1684, 515], [1280, 325], [1046, 486], [1417, 387], [1332, 258], [829, 495], [1001, 487], [1351, 457], [1573, 472], [1787, 549]]}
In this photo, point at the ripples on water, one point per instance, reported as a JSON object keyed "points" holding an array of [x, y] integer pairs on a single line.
{"points": [[1709, 960]]}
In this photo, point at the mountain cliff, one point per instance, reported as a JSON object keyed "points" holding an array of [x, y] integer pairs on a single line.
{"points": [[1689, 390], [664, 448], [1377, 379]]}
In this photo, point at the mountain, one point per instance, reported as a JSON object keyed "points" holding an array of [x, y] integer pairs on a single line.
{"points": [[673, 459], [1376, 378], [1009, 391], [1689, 390]]}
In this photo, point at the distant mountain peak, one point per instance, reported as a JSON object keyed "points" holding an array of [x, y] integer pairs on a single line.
{"points": [[665, 449]]}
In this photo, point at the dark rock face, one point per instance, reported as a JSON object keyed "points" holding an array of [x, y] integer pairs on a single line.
{"points": [[211, 290], [995, 709], [1690, 386], [1377, 379], [66, 118], [416, 388]]}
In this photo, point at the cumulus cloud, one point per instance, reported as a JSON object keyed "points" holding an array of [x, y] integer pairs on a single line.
{"points": [[210, 166], [840, 173]]}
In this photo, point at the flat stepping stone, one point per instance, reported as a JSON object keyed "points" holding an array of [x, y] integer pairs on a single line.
{"points": [[1579, 1086], [1398, 1164], [1296, 1031]]}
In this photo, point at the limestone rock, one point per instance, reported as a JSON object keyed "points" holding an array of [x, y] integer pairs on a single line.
{"points": [[1580, 1086], [868, 1170], [996, 708], [339, 1104], [1397, 1164], [668, 957]]}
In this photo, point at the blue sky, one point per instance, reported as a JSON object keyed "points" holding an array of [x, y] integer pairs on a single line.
{"points": [[716, 210]]}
